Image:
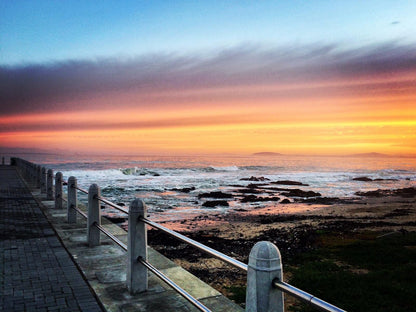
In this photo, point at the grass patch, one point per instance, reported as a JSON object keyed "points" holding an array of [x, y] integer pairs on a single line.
{"points": [[237, 293], [334, 272]]}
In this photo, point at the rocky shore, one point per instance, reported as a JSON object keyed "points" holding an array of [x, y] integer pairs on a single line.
{"points": [[382, 212]]}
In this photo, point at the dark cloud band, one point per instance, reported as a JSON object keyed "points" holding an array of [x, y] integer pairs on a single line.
{"points": [[49, 87]]}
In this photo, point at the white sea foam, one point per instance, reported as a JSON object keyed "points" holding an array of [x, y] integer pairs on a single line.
{"points": [[155, 178]]}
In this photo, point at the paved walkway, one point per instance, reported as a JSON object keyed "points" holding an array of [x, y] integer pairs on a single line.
{"points": [[37, 273]]}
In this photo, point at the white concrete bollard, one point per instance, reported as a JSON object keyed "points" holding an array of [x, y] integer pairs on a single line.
{"points": [[58, 190], [49, 185], [137, 247], [264, 265], [94, 215], [72, 203]]}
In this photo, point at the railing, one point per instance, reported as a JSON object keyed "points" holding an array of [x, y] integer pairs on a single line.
{"points": [[265, 284]]}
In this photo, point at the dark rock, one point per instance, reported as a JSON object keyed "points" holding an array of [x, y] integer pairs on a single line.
{"points": [[255, 179], [300, 193], [215, 203], [215, 195], [249, 191], [285, 201], [363, 179], [252, 185], [287, 182], [254, 198], [121, 204], [321, 200], [249, 198], [376, 193], [407, 192], [184, 190]]}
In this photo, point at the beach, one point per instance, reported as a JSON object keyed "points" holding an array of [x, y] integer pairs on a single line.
{"points": [[368, 218]]}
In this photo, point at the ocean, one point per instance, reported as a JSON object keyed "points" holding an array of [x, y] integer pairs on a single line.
{"points": [[170, 185]]}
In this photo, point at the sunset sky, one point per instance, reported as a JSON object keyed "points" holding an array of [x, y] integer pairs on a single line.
{"points": [[148, 77]]}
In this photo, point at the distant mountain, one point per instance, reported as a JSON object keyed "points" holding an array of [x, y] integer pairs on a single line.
{"points": [[267, 154], [370, 155]]}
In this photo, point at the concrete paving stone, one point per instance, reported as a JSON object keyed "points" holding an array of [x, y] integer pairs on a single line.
{"points": [[34, 262]]}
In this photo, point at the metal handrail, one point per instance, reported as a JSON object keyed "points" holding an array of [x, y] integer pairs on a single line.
{"points": [[80, 189], [82, 213], [304, 296], [178, 289], [112, 204], [285, 287], [198, 245], [111, 236]]}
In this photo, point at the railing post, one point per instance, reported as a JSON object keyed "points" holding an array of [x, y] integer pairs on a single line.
{"points": [[72, 200], [43, 181], [58, 190], [49, 192], [2, 160], [39, 176], [264, 265], [136, 247], [94, 215]]}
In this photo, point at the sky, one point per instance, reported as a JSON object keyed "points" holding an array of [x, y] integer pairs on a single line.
{"points": [[189, 77]]}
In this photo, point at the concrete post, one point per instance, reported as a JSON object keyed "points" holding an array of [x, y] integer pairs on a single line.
{"points": [[38, 176], [264, 265], [58, 190], [136, 247], [43, 181], [2, 160], [49, 191], [72, 200], [94, 215]]}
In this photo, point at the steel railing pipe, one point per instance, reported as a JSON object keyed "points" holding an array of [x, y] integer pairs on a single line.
{"points": [[172, 284], [306, 297], [112, 204], [198, 245], [111, 236]]}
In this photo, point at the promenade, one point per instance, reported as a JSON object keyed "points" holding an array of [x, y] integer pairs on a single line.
{"points": [[37, 274]]}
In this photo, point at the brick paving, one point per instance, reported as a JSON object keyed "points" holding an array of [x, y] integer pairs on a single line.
{"points": [[37, 273]]}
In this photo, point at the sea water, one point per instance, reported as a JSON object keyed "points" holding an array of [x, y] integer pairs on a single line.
{"points": [[158, 179]]}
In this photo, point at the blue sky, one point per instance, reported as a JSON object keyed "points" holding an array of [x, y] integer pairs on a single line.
{"points": [[47, 31]]}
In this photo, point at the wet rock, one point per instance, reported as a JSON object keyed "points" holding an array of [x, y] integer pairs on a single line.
{"points": [[285, 201], [300, 193], [367, 179], [184, 189], [215, 203], [321, 200], [407, 192], [288, 182], [254, 198], [218, 194], [252, 185], [249, 191], [362, 179], [257, 179]]}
